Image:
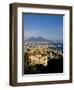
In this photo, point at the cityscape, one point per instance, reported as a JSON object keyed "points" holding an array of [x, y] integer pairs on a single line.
{"points": [[41, 54]]}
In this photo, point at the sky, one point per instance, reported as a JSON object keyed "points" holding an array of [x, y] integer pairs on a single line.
{"points": [[47, 26]]}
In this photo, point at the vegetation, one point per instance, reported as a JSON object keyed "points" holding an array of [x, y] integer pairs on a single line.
{"points": [[54, 66]]}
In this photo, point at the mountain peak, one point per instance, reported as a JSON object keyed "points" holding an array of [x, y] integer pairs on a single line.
{"points": [[37, 39], [41, 39]]}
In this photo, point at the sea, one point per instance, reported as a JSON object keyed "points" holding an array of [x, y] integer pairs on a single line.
{"points": [[59, 46]]}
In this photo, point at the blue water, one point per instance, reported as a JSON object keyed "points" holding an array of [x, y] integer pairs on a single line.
{"points": [[58, 47]]}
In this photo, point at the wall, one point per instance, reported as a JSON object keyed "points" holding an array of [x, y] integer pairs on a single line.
{"points": [[4, 46]]}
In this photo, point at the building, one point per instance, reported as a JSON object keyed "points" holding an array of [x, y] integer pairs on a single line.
{"points": [[38, 59], [38, 53]]}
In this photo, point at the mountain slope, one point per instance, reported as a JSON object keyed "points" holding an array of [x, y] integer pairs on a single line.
{"points": [[37, 39], [41, 39]]}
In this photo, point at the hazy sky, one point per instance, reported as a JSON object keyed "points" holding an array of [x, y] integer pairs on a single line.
{"points": [[46, 26]]}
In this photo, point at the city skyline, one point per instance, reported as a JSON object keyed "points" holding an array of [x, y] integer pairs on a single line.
{"points": [[46, 26]]}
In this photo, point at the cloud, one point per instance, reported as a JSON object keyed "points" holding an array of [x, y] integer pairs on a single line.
{"points": [[28, 34]]}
